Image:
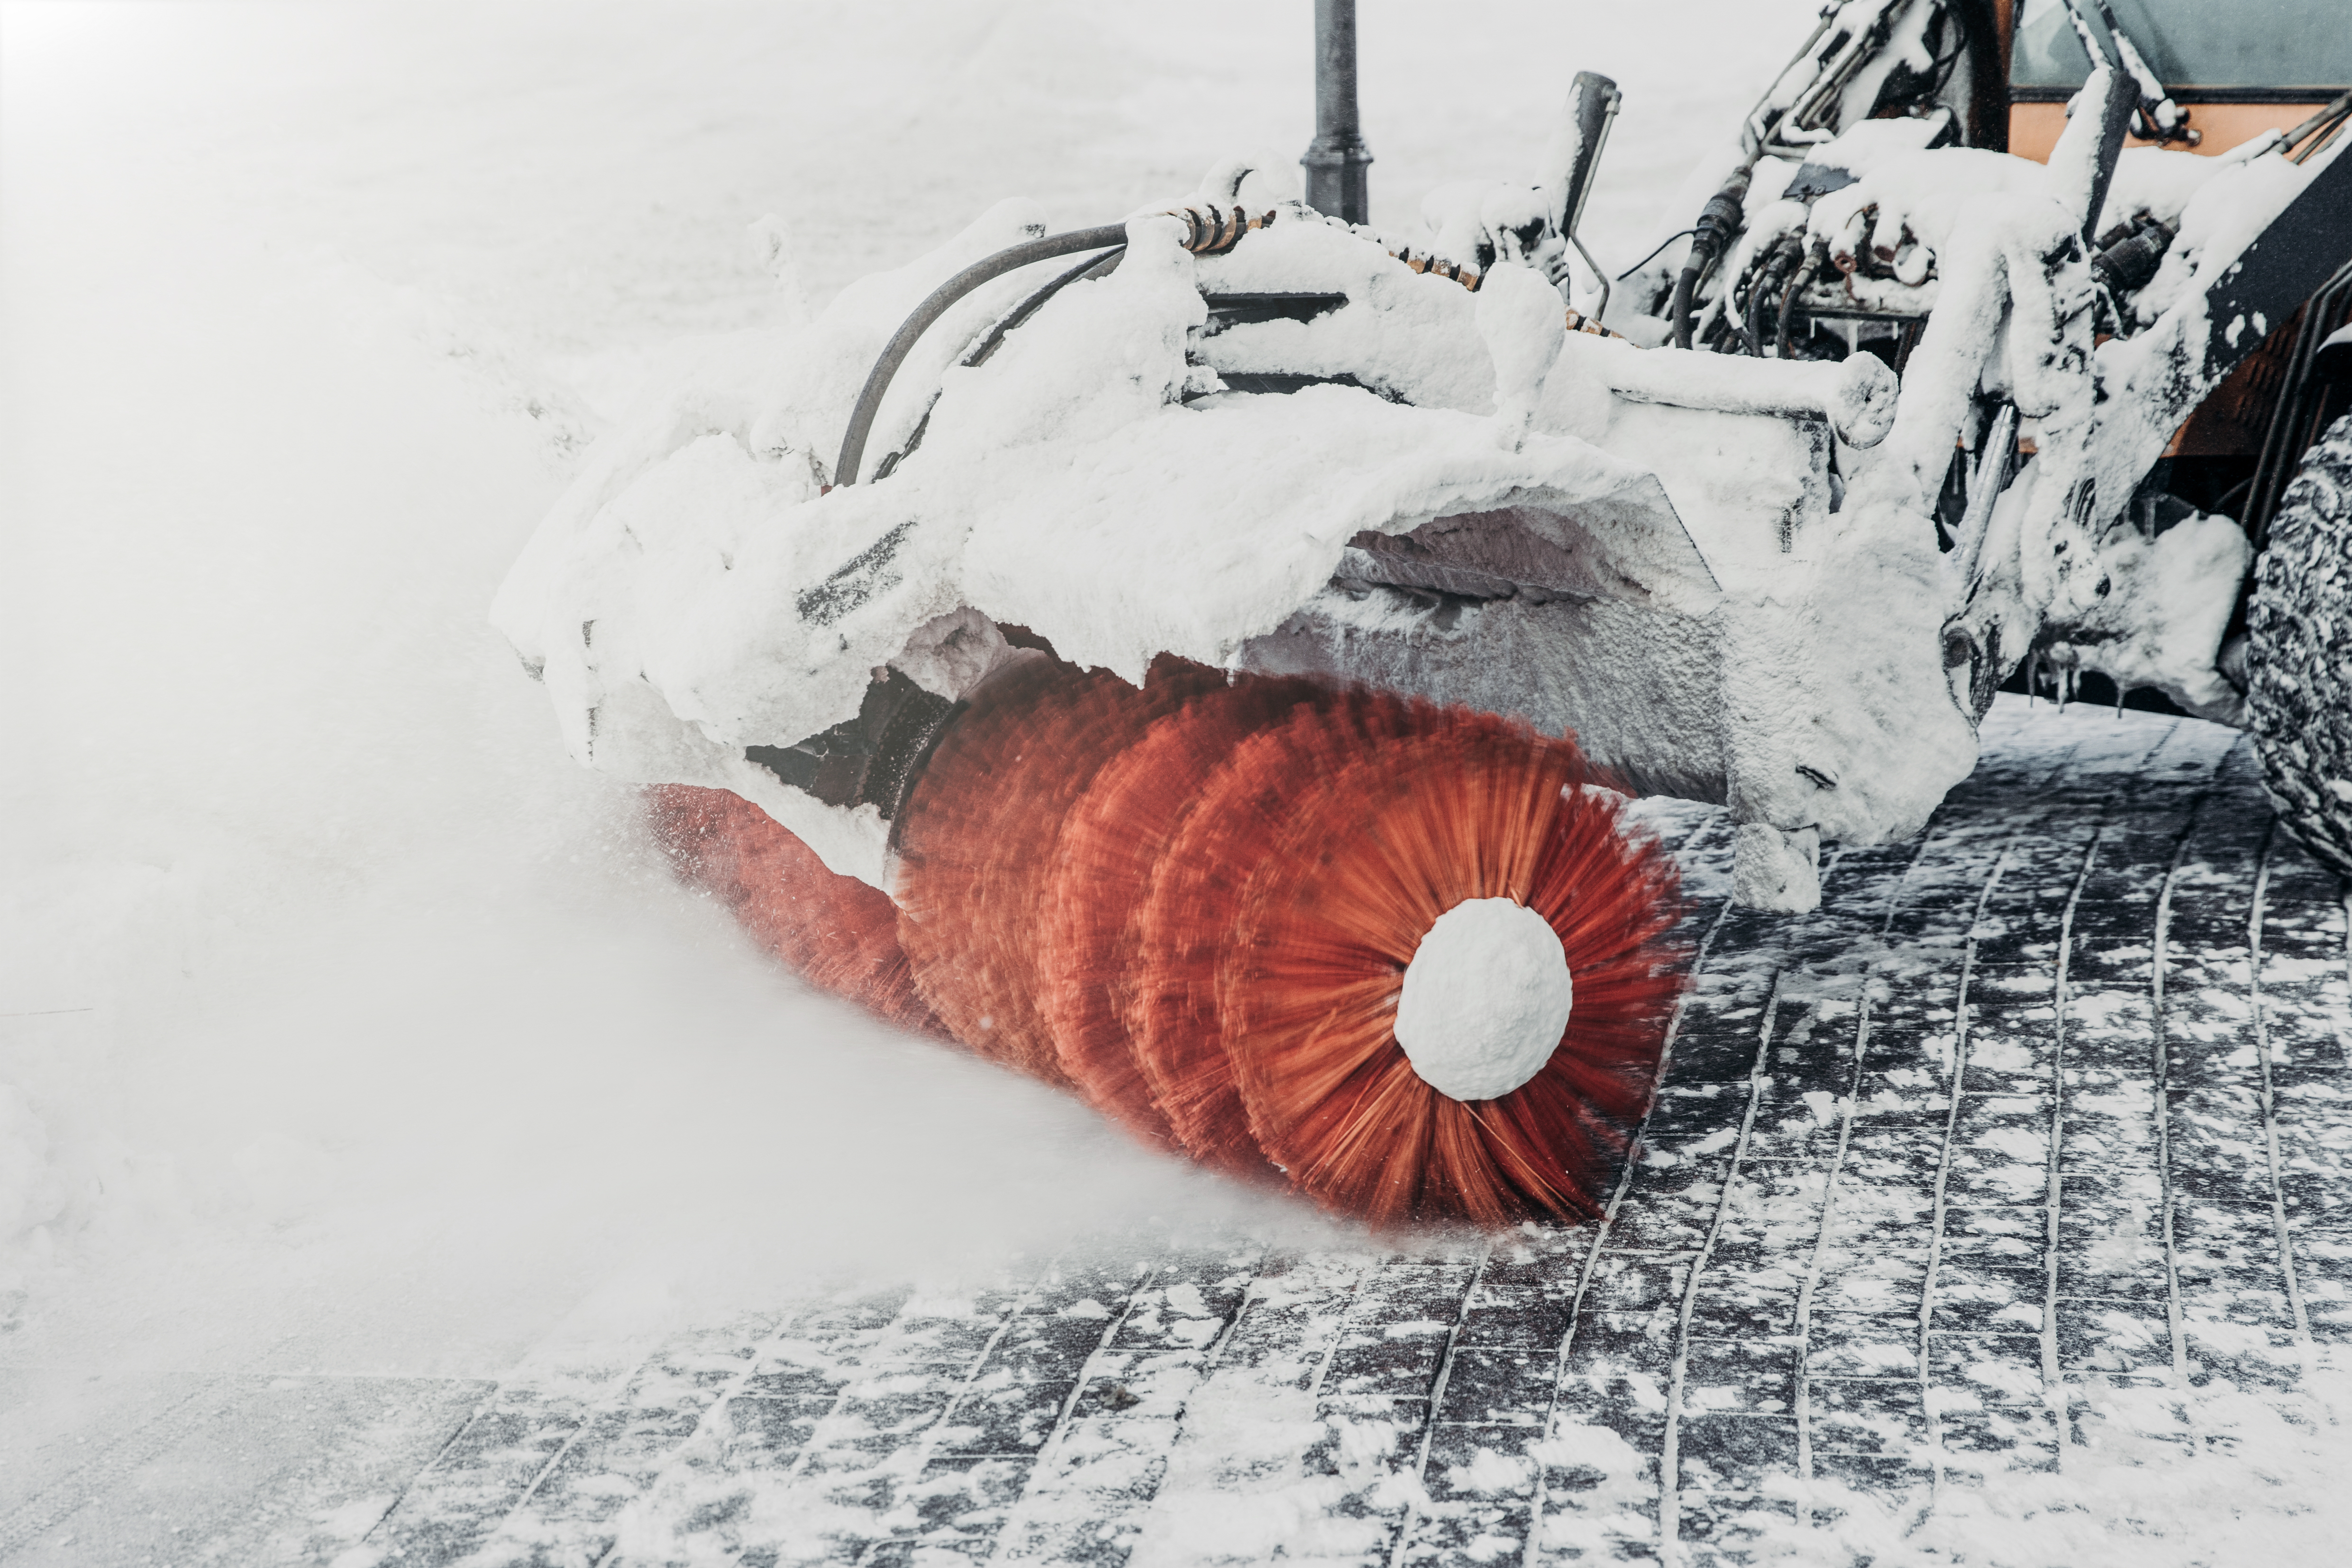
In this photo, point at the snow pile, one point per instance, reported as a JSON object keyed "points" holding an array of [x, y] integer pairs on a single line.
{"points": [[2161, 625], [1405, 335], [2216, 216], [1920, 200]]}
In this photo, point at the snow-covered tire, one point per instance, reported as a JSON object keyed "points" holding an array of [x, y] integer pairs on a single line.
{"points": [[2299, 652]]}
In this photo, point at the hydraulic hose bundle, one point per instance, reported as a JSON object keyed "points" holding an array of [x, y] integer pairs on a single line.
{"points": [[1718, 224], [1210, 230]]}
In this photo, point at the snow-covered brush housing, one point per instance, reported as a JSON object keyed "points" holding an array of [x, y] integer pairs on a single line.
{"points": [[1466, 502]]}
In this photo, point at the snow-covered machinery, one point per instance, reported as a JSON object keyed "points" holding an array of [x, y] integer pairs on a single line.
{"points": [[1074, 589]]}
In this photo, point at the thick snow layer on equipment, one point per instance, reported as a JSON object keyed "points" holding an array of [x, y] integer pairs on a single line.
{"points": [[1404, 333], [1485, 1000], [696, 592], [703, 591]]}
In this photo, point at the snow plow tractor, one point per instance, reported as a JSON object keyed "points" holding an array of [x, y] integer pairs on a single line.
{"points": [[1203, 660]]}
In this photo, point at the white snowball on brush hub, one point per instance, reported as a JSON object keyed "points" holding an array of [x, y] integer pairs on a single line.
{"points": [[1485, 999]]}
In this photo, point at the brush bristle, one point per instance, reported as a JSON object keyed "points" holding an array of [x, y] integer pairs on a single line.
{"points": [[835, 931], [1186, 923], [1371, 847], [1119, 831], [978, 842]]}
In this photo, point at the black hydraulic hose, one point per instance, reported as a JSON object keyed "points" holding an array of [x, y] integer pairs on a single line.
{"points": [[1101, 266], [1679, 234], [1718, 221], [1760, 289], [1814, 254], [1093, 267], [902, 342], [1678, 311]]}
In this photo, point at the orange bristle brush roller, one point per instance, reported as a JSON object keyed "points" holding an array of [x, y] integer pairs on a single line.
{"points": [[1445, 992], [1117, 836], [1409, 959], [838, 933], [977, 837]]}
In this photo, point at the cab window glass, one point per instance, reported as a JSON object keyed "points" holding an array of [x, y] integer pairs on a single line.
{"points": [[2197, 43]]}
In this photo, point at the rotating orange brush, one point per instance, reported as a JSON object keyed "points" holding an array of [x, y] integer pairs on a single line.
{"points": [[1408, 958], [1186, 923], [1119, 832], [837, 932], [1446, 988], [978, 837]]}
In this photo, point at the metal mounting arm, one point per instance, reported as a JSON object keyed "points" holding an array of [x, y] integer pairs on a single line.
{"points": [[1592, 101]]}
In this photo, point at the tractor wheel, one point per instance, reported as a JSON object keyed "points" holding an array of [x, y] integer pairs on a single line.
{"points": [[2299, 653]]}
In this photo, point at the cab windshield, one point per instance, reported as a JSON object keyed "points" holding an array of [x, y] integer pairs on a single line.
{"points": [[2225, 43]]}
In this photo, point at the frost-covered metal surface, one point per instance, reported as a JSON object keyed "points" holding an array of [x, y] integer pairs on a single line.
{"points": [[2023, 1164], [704, 588], [701, 591]]}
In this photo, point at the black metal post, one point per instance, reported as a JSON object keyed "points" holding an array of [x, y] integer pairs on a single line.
{"points": [[1336, 159]]}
